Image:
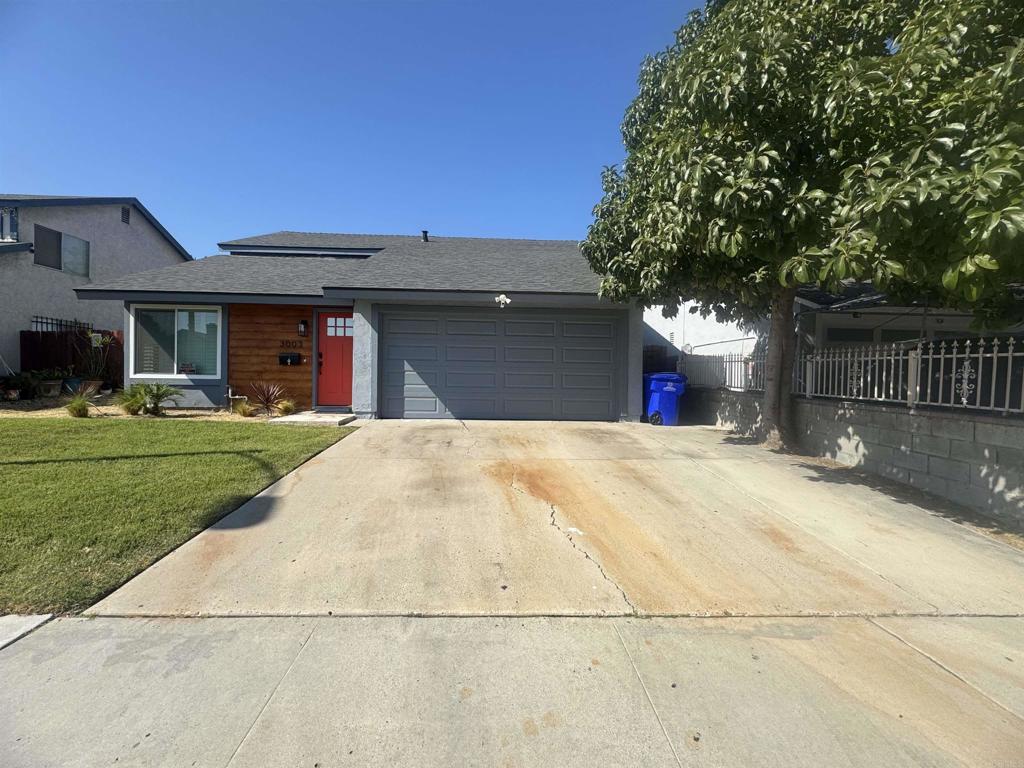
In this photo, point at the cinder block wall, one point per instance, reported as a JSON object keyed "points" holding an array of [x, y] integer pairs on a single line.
{"points": [[973, 459]]}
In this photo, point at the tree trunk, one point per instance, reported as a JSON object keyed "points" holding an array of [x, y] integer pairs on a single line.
{"points": [[775, 409]]}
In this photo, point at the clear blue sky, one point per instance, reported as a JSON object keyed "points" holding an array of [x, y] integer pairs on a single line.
{"points": [[228, 119]]}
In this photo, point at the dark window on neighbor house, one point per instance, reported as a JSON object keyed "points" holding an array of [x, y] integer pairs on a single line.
{"points": [[9, 224], [126, 214], [47, 247], [849, 335], [889, 335], [58, 250]]}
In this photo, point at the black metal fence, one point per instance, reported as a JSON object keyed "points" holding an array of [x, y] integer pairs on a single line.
{"points": [[40, 323]]}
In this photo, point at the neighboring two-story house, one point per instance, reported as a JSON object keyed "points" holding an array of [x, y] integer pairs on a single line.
{"points": [[50, 245]]}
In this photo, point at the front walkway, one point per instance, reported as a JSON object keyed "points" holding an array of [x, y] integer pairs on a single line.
{"points": [[544, 594]]}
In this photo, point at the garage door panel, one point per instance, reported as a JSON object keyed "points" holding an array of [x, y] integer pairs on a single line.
{"points": [[417, 325], [418, 404], [602, 355], [529, 380], [472, 408], [587, 381], [474, 379], [471, 327], [592, 330], [412, 351], [596, 410], [530, 328], [458, 353], [402, 378], [519, 354], [532, 408], [471, 364]]}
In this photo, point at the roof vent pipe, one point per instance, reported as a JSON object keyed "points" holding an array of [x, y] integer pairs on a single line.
{"points": [[425, 235]]}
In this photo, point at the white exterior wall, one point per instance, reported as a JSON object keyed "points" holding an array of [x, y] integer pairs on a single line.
{"points": [[706, 335], [935, 324], [115, 249]]}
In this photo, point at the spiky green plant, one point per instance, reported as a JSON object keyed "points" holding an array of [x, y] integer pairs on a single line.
{"points": [[268, 395]]}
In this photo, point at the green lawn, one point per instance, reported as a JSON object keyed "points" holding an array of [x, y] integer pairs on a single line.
{"points": [[86, 504]]}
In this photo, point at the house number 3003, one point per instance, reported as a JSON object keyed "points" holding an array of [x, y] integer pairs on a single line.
{"points": [[291, 344]]}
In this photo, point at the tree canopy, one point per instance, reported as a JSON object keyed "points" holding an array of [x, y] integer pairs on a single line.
{"points": [[780, 142]]}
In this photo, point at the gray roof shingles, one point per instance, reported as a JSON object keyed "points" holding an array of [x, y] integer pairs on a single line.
{"points": [[403, 263]]}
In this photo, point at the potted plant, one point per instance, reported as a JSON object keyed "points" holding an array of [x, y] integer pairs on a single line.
{"points": [[20, 386], [72, 381], [9, 388], [50, 380], [26, 385], [93, 351]]}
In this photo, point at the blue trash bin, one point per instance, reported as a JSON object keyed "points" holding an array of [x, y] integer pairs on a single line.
{"points": [[652, 383], [662, 393]]}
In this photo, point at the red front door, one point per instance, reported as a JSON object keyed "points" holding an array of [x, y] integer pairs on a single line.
{"points": [[334, 359]]}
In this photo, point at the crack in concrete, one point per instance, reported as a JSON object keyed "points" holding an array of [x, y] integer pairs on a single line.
{"points": [[945, 667], [647, 693], [567, 535], [586, 554], [273, 693]]}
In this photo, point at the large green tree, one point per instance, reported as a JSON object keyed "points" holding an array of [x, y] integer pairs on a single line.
{"points": [[780, 142]]}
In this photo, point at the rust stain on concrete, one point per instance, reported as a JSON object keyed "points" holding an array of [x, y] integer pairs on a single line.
{"points": [[779, 538], [636, 561], [551, 720]]}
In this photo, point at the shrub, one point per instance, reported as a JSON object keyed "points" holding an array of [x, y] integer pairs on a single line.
{"points": [[132, 400], [243, 408], [158, 394], [267, 396], [26, 383], [147, 398], [286, 407], [78, 406], [93, 350]]}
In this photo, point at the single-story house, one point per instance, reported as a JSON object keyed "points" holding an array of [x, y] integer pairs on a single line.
{"points": [[861, 315], [387, 326]]}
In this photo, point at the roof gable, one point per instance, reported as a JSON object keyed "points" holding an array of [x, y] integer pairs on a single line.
{"points": [[46, 201]]}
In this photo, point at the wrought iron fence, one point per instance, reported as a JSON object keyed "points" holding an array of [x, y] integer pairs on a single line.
{"points": [[40, 323], [982, 373], [879, 373]]}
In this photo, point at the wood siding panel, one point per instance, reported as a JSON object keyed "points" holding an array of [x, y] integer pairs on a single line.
{"points": [[257, 334]]}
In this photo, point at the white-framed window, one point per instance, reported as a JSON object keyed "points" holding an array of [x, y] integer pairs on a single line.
{"points": [[174, 342], [339, 326]]}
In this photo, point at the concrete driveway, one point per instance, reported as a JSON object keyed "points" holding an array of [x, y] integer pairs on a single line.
{"points": [[544, 594], [499, 518]]}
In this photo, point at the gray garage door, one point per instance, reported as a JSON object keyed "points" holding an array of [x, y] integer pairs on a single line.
{"points": [[500, 364]]}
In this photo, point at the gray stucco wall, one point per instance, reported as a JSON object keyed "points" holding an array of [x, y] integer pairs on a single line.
{"points": [[969, 458], [365, 359], [115, 249], [634, 364]]}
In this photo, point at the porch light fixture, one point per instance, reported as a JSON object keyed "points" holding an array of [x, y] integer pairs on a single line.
{"points": [[502, 300], [303, 328]]}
